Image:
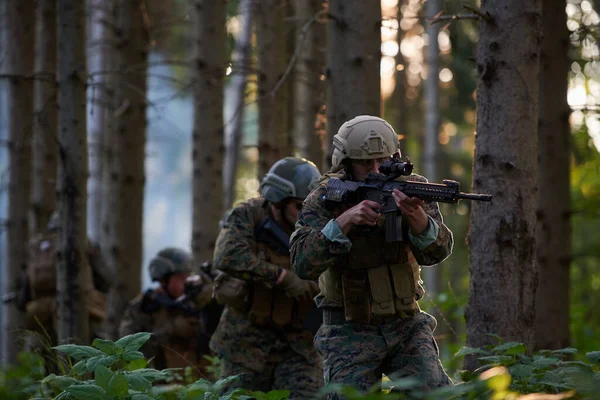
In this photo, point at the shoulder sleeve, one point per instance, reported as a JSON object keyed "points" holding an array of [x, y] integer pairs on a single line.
{"points": [[311, 251], [441, 247], [235, 249]]}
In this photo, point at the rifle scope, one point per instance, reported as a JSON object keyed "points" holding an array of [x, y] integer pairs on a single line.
{"points": [[396, 167]]}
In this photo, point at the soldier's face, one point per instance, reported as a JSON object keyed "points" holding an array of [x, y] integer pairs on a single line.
{"points": [[291, 210], [176, 284], [361, 168]]}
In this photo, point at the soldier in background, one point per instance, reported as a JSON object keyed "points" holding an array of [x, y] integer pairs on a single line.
{"points": [[172, 313], [372, 323], [36, 289], [261, 336]]}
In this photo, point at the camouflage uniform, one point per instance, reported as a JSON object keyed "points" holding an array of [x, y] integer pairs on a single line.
{"points": [[270, 351], [37, 291], [372, 323], [178, 335]]}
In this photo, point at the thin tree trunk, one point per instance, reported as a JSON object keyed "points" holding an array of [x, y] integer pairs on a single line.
{"points": [[17, 29], [208, 67], [431, 156], [122, 231], [554, 208], [73, 271], [99, 51], [502, 235], [45, 134], [398, 100], [309, 88], [237, 95], [353, 82], [272, 110]]}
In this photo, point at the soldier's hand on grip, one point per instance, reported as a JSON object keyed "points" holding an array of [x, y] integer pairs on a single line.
{"points": [[367, 212], [297, 288]]}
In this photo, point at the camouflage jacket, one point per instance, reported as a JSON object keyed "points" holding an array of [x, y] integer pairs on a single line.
{"points": [[147, 313], [236, 337], [312, 253]]}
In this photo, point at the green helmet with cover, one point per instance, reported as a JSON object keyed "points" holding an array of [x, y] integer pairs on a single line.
{"points": [[290, 177], [364, 138], [169, 261]]}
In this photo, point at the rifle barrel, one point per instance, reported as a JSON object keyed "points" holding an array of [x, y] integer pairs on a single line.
{"points": [[474, 196]]}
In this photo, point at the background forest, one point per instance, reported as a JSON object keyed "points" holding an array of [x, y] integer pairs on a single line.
{"points": [[166, 159]]}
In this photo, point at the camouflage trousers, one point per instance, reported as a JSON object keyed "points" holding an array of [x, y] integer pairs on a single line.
{"points": [[287, 370], [358, 354]]}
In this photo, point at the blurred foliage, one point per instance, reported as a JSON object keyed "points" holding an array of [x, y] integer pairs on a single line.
{"points": [[118, 371]]}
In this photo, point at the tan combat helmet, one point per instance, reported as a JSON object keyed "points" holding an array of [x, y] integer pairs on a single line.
{"points": [[364, 138]]}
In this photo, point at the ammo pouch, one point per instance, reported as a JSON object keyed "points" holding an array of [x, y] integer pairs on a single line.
{"points": [[384, 290]]}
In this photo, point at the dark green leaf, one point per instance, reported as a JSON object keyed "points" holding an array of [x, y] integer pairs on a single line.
{"points": [[566, 350], [510, 348], [104, 360], [500, 359], [141, 396], [133, 342], [469, 350], [87, 392], [79, 368], [107, 346], [118, 386], [133, 355], [593, 356], [77, 351], [138, 382], [60, 382], [149, 374], [103, 376]]}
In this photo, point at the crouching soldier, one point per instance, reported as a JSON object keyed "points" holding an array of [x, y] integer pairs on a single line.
{"points": [[172, 313]]}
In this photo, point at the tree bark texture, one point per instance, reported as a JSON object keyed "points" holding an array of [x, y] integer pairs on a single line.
{"points": [[554, 208], [240, 58], [45, 133], [208, 66], [273, 141], [431, 156], [100, 48], [353, 64], [73, 270], [122, 229], [502, 234], [17, 32], [309, 88]]}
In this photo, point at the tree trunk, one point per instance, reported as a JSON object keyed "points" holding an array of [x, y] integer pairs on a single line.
{"points": [[45, 133], [431, 156], [309, 88], [73, 272], [17, 28], [354, 43], [99, 50], [272, 94], [554, 207], [502, 233], [398, 114], [208, 67], [237, 94], [122, 230]]}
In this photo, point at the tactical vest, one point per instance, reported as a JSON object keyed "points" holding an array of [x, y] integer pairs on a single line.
{"points": [[41, 275], [264, 306], [178, 352], [376, 277]]}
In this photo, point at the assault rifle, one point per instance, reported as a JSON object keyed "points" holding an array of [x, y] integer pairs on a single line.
{"points": [[379, 187]]}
